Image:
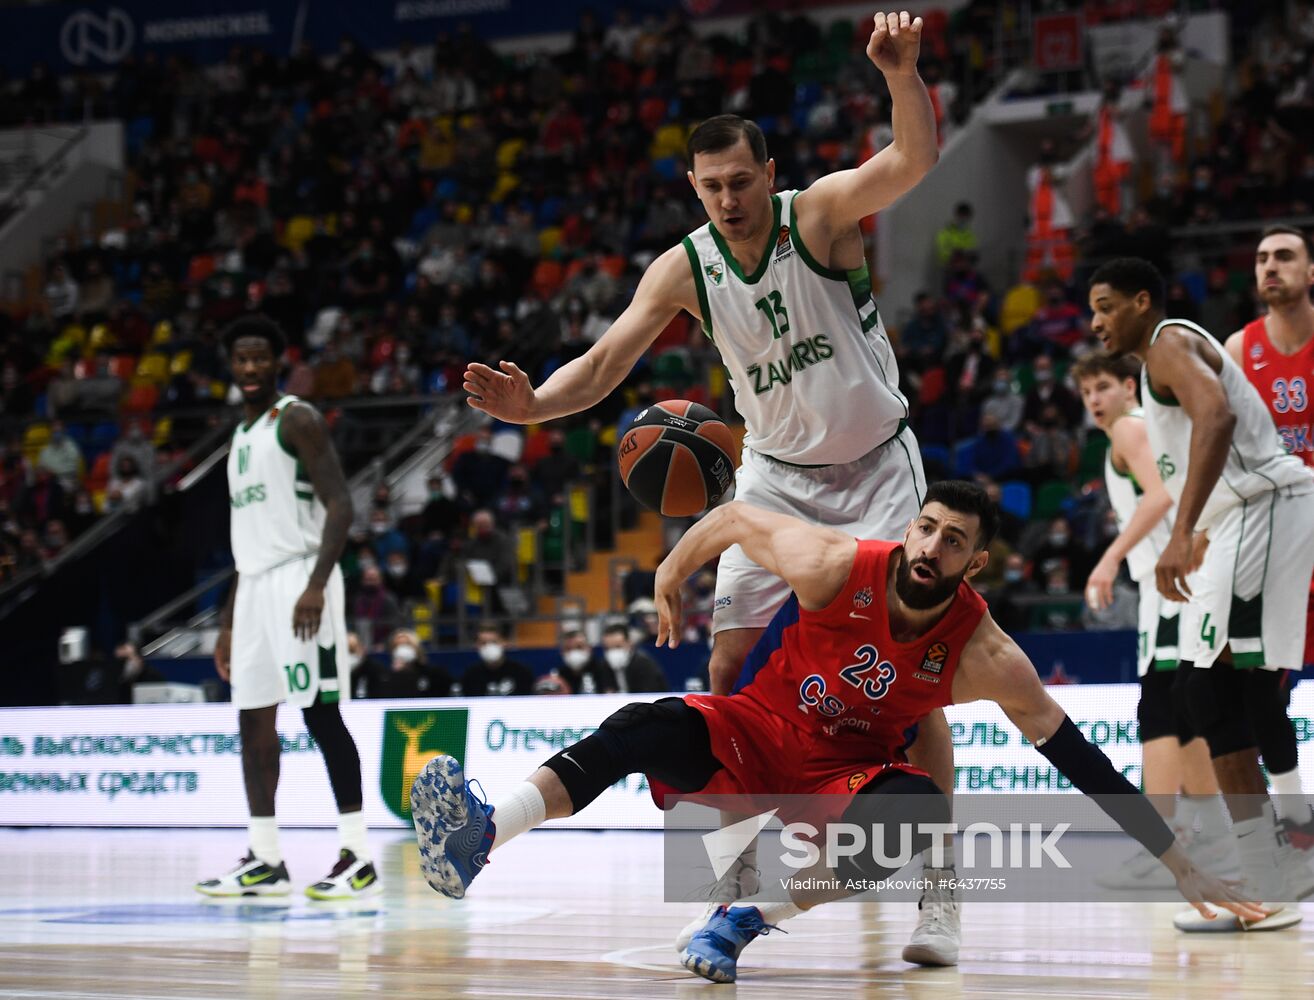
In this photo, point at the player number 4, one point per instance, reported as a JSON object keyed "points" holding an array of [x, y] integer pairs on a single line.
{"points": [[298, 676], [775, 313], [1208, 633]]}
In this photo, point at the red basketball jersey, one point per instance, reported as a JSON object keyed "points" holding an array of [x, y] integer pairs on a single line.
{"points": [[839, 676], [1285, 382]]}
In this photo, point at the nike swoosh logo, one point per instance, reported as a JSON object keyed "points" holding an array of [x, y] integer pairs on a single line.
{"points": [[1262, 364], [361, 883], [567, 756], [247, 879], [854, 614]]}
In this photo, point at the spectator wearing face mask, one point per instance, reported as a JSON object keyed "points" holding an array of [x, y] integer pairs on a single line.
{"points": [[385, 539], [1058, 560], [82, 513], [61, 457], [633, 672], [1049, 390], [493, 674], [134, 443], [480, 474], [580, 665], [374, 612], [401, 579], [408, 673], [556, 469], [1012, 615], [1003, 405], [126, 489]]}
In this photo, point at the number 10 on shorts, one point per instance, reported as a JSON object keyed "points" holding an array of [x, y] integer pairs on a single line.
{"points": [[298, 676]]}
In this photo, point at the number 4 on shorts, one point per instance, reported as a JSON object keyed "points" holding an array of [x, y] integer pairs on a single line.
{"points": [[298, 676], [1208, 633]]}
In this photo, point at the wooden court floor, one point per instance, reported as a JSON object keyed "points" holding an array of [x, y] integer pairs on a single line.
{"points": [[94, 913]]}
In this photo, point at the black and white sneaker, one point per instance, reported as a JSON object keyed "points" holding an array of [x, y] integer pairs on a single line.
{"points": [[251, 877], [351, 878]]}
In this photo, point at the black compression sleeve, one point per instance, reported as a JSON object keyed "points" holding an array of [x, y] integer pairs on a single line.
{"points": [[1085, 766]]}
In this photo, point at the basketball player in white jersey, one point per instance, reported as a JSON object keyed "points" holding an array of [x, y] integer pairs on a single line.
{"points": [[1172, 757], [283, 633], [780, 284], [1218, 454]]}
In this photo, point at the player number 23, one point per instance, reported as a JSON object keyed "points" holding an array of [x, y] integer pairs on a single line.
{"points": [[860, 675]]}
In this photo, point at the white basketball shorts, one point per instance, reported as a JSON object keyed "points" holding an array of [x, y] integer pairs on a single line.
{"points": [[269, 663], [875, 496]]}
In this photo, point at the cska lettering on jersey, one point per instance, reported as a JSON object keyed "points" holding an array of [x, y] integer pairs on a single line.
{"points": [[1284, 383], [802, 355]]}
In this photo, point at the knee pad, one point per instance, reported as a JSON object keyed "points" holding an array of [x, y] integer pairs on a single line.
{"points": [[895, 814], [1156, 711], [625, 742], [1214, 701], [1266, 699]]}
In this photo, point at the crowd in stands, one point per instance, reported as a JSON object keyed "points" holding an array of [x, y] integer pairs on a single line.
{"points": [[400, 216]]}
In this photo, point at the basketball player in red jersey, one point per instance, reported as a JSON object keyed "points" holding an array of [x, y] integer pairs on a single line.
{"points": [[875, 636], [1276, 351]]}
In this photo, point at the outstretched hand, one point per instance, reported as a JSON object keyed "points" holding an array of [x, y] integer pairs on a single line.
{"points": [[666, 595], [506, 394], [1200, 889], [896, 40]]}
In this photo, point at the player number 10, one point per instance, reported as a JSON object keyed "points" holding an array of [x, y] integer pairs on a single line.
{"points": [[298, 676]]}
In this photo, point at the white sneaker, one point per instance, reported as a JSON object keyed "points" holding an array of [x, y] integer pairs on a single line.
{"points": [[1296, 873], [351, 878], [740, 881], [1191, 922], [1142, 870], [936, 937], [251, 877]]}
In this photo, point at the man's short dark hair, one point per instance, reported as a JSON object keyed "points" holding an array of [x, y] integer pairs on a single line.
{"points": [[965, 497], [723, 132], [491, 627], [255, 325], [617, 628], [1282, 229], [1130, 276], [1103, 363]]}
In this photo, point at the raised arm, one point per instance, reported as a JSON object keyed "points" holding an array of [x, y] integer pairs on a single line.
{"points": [[847, 196], [813, 560], [1178, 364], [666, 288], [1131, 445], [304, 431], [995, 669]]}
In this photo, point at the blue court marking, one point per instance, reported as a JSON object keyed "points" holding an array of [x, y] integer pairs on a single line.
{"points": [[182, 913]]}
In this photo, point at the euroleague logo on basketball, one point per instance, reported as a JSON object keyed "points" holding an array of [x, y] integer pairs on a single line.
{"points": [[862, 599]]}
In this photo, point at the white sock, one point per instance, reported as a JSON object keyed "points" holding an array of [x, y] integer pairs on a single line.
{"points": [[774, 913], [1257, 846], [351, 832], [1289, 797], [1205, 811], [263, 839], [520, 811], [948, 856]]}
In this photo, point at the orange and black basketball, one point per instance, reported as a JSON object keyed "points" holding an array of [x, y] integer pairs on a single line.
{"points": [[677, 458]]}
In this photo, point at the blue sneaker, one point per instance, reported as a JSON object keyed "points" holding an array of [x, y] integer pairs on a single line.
{"points": [[454, 827], [714, 950]]}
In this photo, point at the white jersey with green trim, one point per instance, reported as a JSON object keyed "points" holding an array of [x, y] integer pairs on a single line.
{"points": [[1256, 460], [1124, 495], [813, 371], [275, 515]]}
